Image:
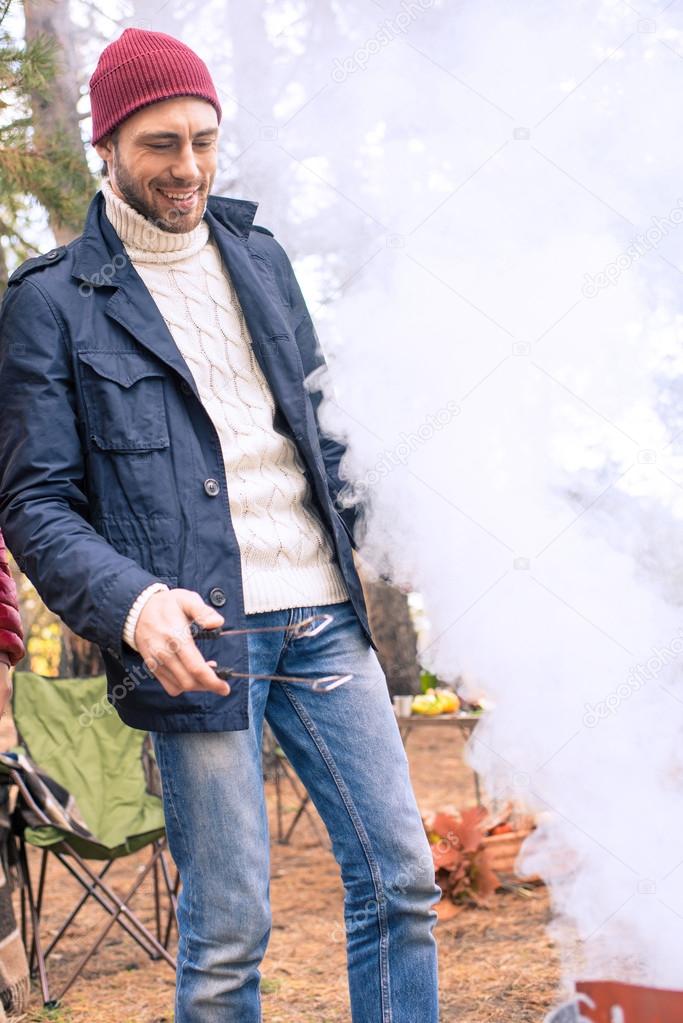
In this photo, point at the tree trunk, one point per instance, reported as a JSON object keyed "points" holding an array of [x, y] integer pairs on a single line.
{"points": [[57, 135], [394, 634], [79, 658]]}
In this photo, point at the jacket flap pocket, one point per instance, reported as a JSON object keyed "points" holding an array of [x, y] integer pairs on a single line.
{"points": [[123, 395], [125, 368]]}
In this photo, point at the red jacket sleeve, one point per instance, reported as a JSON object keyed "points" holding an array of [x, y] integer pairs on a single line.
{"points": [[11, 633]]}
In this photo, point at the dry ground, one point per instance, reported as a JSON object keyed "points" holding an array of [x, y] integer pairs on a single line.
{"points": [[497, 965]]}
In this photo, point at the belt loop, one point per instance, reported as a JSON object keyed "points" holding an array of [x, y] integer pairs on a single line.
{"points": [[291, 618]]}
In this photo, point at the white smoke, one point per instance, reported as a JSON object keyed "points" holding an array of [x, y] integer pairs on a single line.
{"points": [[506, 373]]}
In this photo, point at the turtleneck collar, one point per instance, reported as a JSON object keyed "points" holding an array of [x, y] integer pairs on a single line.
{"points": [[143, 240]]}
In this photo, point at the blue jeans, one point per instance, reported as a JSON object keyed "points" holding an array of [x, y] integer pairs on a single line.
{"points": [[346, 748]]}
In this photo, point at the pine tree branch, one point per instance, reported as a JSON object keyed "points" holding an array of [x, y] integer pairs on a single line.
{"points": [[4, 8], [10, 231]]}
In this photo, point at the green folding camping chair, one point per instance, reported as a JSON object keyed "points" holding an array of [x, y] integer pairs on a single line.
{"points": [[84, 794], [88, 791]]}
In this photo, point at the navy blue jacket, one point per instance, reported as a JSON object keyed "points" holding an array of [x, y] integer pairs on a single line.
{"points": [[106, 449]]}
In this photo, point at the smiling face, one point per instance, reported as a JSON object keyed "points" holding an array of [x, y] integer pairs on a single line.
{"points": [[162, 161]]}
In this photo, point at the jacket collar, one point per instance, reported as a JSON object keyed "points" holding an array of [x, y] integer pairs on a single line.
{"points": [[97, 248], [102, 260]]}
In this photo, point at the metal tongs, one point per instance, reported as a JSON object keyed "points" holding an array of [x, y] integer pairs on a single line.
{"points": [[310, 626]]}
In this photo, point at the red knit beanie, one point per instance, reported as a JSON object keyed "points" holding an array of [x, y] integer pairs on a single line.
{"points": [[141, 68]]}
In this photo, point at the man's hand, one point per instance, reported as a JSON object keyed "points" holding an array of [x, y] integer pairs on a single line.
{"points": [[5, 687], [163, 637]]}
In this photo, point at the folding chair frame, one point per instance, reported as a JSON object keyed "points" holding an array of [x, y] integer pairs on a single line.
{"points": [[96, 888], [282, 770]]}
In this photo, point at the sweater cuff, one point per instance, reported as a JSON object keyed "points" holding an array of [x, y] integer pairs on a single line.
{"points": [[136, 610]]}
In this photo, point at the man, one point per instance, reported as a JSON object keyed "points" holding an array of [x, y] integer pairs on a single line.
{"points": [[160, 458]]}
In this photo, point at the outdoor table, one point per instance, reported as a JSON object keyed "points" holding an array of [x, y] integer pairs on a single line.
{"points": [[462, 722]]}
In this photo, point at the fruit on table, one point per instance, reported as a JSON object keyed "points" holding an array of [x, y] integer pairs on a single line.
{"points": [[436, 701]]}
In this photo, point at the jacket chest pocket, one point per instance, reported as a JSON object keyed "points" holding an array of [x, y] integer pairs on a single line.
{"points": [[124, 399]]}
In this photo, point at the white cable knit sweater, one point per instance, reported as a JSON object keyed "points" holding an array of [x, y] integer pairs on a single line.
{"points": [[286, 554]]}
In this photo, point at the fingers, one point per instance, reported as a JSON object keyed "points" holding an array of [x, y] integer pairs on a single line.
{"points": [[191, 671], [168, 646], [181, 668], [192, 663], [164, 676], [197, 611]]}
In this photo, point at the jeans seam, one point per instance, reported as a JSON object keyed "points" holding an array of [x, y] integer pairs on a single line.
{"points": [[323, 749]]}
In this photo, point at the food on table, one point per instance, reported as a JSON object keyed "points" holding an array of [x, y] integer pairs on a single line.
{"points": [[436, 701]]}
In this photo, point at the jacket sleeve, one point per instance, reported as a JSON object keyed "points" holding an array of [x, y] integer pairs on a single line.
{"points": [[11, 633], [314, 362], [44, 510]]}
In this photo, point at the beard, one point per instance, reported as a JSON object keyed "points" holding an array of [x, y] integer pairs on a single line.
{"points": [[152, 205]]}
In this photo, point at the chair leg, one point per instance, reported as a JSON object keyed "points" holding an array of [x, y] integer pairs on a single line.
{"points": [[281, 772], [302, 809], [121, 907], [39, 906], [270, 747], [157, 906], [109, 901], [89, 892], [116, 907], [172, 917], [172, 892], [22, 890], [41, 881], [22, 907], [297, 817], [278, 803], [36, 946]]}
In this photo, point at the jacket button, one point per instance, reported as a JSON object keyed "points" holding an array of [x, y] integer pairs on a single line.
{"points": [[212, 487], [53, 254], [217, 597], [185, 387]]}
